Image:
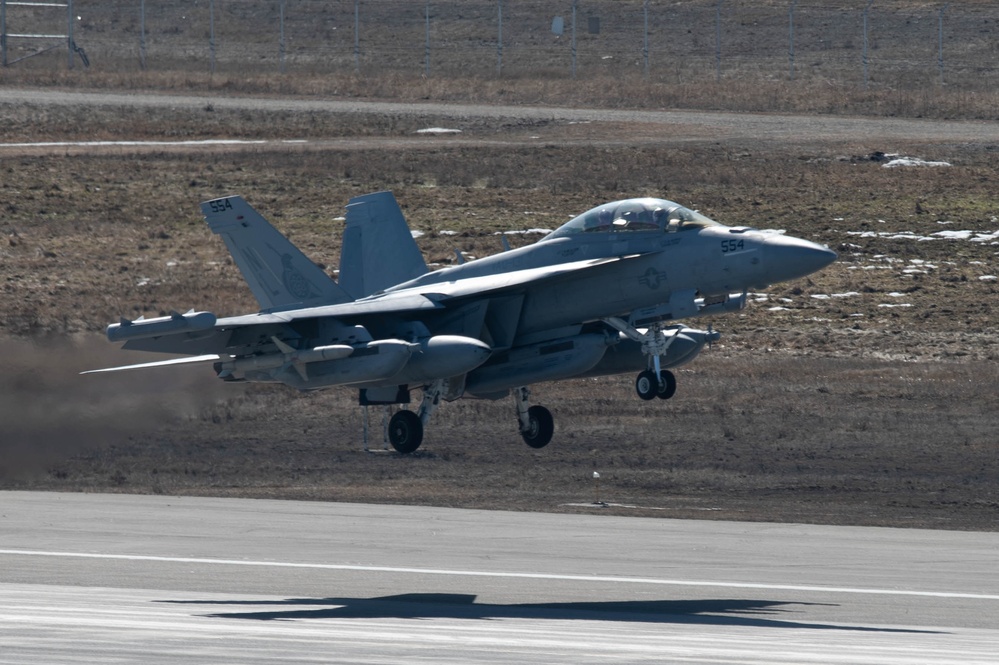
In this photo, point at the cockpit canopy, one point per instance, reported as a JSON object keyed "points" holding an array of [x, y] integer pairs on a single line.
{"points": [[633, 215]]}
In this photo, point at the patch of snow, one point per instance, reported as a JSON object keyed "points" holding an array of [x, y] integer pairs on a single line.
{"points": [[973, 236], [447, 233], [954, 235], [416, 233], [438, 130], [988, 278], [847, 294], [911, 161], [903, 304]]}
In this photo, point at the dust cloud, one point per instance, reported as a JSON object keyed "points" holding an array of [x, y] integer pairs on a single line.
{"points": [[49, 412]]}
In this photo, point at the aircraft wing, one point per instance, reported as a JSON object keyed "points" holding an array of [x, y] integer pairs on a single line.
{"points": [[421, 299], [517, 279], [246, 334]]}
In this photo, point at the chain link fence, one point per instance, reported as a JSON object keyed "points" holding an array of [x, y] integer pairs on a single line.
{"points": [[906, 45]]}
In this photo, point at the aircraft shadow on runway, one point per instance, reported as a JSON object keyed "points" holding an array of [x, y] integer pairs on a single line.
{"points": [[722, 612]]}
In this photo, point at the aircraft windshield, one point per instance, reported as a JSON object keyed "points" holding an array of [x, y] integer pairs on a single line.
{"points": [[635, 215]]}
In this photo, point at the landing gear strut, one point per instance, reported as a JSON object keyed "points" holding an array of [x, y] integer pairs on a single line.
{"points": [[536, 423]]}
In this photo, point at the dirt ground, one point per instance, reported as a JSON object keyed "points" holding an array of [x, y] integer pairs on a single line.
{"points": [[862, 395]]}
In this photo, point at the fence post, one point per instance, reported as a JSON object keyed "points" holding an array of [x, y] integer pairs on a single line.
{"points": [[70, 46], [940, 60], [426, 49], [499, 37], [211, 34], [718, 41], [357, 36], [867, 10], [142, 35], [281, 44], [574, 5], [790, 37], [645, 40]]}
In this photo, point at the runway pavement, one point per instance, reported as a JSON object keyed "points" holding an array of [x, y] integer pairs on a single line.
{"points": [[87, 578]]}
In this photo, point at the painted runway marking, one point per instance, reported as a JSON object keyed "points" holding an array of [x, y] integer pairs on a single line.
{"points": [[529, 576], [102, 144]]}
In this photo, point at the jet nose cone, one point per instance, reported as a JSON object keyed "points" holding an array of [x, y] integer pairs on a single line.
{"points": [[789, 258]]}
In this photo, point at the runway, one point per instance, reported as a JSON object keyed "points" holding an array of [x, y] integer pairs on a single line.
{"points": [[121, 578]]}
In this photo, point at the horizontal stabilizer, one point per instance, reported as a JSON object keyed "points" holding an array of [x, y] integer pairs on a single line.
{"points": [[279, 275], [158, 363]]}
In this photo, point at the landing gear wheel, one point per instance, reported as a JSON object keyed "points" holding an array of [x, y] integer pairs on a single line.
{"points": [[405, 432], [541, 428], [647, 385], [667, 384]]}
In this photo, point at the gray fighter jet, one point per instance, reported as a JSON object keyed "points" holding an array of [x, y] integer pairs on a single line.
{"points": [[600, 295]]}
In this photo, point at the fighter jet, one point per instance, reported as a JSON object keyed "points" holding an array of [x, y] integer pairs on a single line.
{"points": [[600, 295]]}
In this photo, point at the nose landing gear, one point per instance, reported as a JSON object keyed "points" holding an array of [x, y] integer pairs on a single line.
{"points": [[654, 381], [650, 386]]}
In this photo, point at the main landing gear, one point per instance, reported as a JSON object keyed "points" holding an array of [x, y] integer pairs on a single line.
{"points": [[405, 431], [536, 423], [405, 428]]}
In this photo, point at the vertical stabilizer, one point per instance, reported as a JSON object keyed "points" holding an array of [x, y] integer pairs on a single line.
{"points": [[378, 247], [280, 276]]}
